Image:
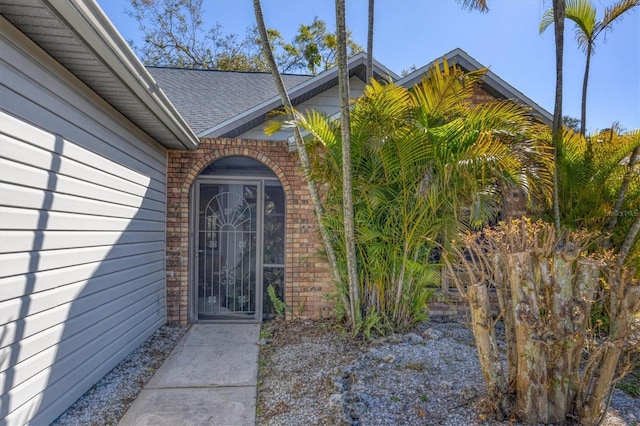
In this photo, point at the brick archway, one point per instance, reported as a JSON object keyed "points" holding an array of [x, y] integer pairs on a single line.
{"points": [[306, 277]]}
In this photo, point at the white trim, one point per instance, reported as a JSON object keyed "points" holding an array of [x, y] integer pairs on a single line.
{"points": [[299, 90], [90, 23], [30, 49], [491, 79]]}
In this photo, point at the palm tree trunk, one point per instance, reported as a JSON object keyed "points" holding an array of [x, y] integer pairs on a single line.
{"points": [[370, 43], [558, 20], [302, 150], [585, 83], [347, 186]]}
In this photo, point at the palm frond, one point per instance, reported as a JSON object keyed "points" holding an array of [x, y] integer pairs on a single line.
{"points": [[590, 186], [277, 121], [426, 164], [480, 5], [444, 91], [615, 12], [546, 20], [380, 111], [583, 15]]}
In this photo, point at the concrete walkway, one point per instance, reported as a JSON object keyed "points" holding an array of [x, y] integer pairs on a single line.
{"points": [[209, 379]]}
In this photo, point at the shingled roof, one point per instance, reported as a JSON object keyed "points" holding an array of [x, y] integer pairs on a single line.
{"points": [[229, 103], [209, 97], [226, 103]]}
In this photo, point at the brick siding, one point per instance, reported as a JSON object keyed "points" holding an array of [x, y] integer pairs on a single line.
{"points": [[452, 306], [306, 275], [307, 279]]}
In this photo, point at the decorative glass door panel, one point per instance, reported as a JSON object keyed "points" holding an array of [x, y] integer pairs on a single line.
{"points": [[273, 246], [227, 250]]}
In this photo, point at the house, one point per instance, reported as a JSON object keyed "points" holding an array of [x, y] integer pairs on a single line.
{"points": [[84, 137], [235, 155], [130, 197]]}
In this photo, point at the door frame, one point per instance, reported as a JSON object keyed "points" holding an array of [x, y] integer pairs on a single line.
{"points": [[193, 245]]}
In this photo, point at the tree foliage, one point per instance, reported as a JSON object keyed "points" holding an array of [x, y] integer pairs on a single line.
{"points": [[599, 188], [175, 35], [587, 29], [315, 49], [426, 164], [571, 123]]}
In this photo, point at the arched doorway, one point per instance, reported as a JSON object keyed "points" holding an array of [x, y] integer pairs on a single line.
{"points": [[238, 229]]}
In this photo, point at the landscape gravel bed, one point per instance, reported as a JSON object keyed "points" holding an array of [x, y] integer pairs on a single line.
{"points": [[107, 401], [312, 375]]}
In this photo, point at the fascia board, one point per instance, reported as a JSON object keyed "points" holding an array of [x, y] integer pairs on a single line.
{"points": [[491, 79], [379, 68], [90, 23], [268, 105], [510, 92], [299, 90]]}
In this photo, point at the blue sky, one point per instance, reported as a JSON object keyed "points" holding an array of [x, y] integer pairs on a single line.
{"points": [[506, 39]]}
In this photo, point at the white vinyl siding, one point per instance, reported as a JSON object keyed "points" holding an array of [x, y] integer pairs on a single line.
{"points": [[327, 102], [82, 235]]}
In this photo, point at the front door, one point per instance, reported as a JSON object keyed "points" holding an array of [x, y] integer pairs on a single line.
{"points": [[227, 250]]}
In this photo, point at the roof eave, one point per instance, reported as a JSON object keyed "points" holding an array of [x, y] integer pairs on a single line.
{"points": [[90, 23], [230, 125], [491, 80]]}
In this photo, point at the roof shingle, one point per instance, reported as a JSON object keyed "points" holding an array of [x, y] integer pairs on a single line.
{"points": [[206, 98]]}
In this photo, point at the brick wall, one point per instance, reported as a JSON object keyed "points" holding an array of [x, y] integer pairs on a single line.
{"points": [[452, 306], [515, 204], [480, 96], [306, 275]]}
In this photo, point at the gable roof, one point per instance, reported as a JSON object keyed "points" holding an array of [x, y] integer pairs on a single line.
{"points": [[491, 83], [229, 103], [79, 35], [235, 102], [307, 90], [209, 97]]}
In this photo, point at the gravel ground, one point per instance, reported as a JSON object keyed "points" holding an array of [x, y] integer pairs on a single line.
{"points": [[310, 375], [106, 402]]}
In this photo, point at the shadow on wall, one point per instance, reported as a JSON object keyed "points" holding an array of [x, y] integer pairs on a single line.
{"points": [[87, 290], [19, 324]]}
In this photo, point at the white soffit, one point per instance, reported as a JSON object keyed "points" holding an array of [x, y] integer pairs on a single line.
{"points": [[79, 35]]}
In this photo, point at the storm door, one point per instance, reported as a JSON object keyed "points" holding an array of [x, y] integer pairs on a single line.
{"points": [[227, 250]]}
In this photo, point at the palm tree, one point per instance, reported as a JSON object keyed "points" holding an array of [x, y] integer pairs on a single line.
{"points": [[426, 165], [600, 189], [583, 14], [598, 185], [556, 125], [302, 151], [347, 187]]}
